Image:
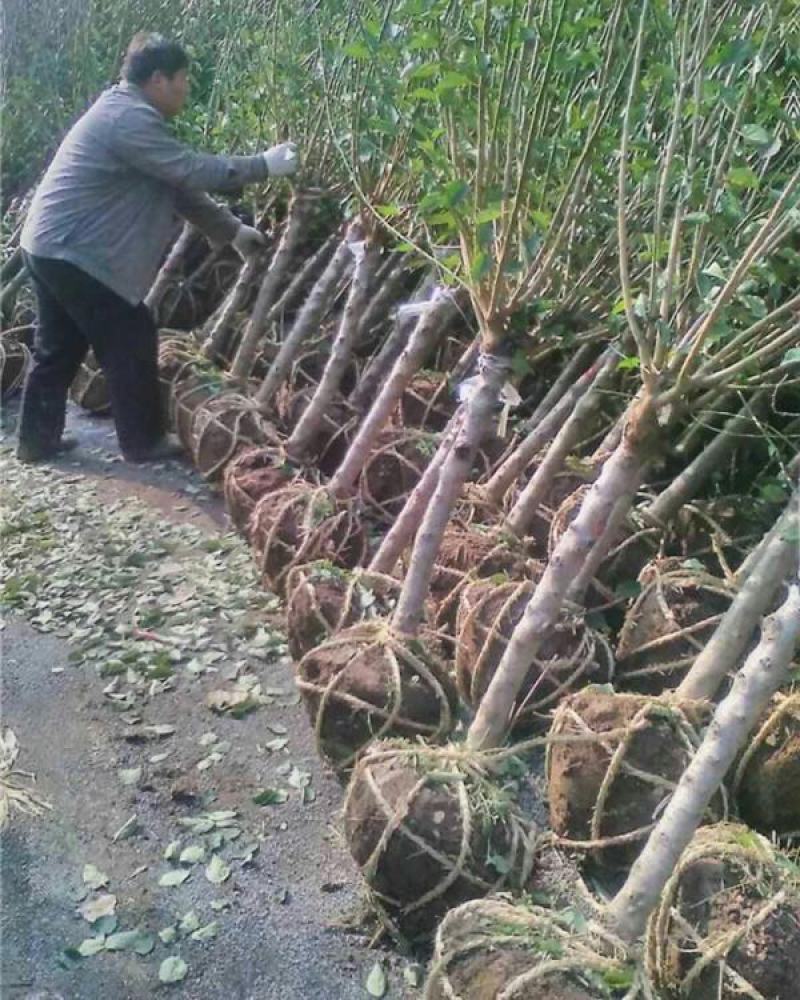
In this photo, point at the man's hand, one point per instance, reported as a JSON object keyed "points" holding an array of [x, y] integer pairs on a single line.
{"points": [[282, 160], [248, 241]]}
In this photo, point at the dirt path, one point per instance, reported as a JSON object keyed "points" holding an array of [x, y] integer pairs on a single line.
{"points": [[114, 723]]}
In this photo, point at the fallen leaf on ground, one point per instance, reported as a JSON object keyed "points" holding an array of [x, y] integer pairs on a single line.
{"points": [[376, 981], [217, 871], [93, 909], [93, 877], [172, 970]]}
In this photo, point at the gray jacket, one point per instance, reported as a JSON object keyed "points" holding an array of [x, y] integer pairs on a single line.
{"points": [[109, 199]]}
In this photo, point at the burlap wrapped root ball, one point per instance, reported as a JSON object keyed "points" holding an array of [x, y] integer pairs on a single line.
{"points": [[429, 830], [300, 523], [766, 779], [571, 656], [427, 404], [329, 446], [669, 623], [366, 683], [393, 469], [322, 599], [249, 476], [635, 545], [188, 380], [15, 358], [612, 762], [727, 925], [473, 552], [224, 426], [177, 359], [493, 949], [89, 388]]}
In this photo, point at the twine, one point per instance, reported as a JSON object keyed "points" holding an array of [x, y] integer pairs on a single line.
{"points": [[90, 388], [239, 499], [678, 644], [748, 860], [224, 426], [385, 492], [617, 744], [305, 615], [460, 869], [428, 392], [375, 641], [785, 711], [484, 630], [491, 926], [300, 523]]}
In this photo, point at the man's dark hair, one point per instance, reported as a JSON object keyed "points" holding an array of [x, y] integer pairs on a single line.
{"points": [[149, 52]]}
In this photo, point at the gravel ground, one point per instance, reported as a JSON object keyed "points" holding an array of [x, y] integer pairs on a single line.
{"points": [[288, 916]]}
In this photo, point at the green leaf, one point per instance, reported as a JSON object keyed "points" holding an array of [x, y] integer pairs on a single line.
{"points": [[136, 941], [189, 922], [480, 266], [206, 933], [376, 981], [695, 218], [105, 925], [755, 134], [175, 877], [91, 946], [358, 51], [742, 177], [217, 871], [270, 797], [632, 362], [618, 979], [172, 850], [500, 864], [791, 357], [489, 214], [172, 970], [168, 935], [193, 855]]}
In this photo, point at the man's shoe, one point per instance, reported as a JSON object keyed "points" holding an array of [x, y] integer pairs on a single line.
{"points": [[168, 447], [31, 453]]}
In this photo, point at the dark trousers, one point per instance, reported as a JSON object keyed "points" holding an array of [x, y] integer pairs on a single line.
{"points": [[76, 312]]}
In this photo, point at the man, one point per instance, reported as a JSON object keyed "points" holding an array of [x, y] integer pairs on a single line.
{"points": [[94, 237]]}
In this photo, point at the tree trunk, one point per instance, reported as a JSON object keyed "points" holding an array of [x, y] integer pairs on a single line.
{"points": [[306, 323], [687, 485], [270, 286], [214, 342], [524, 510], [620, 477], [766, 668], [388, 287], [566, 377], [480, 411], [540, 434], [316, 262], [407, 365], [408, 521], [382, 362], [778, 559], [309, 424], [169, 270]]}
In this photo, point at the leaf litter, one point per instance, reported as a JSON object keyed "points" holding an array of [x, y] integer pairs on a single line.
{"points": [[149, 605]]}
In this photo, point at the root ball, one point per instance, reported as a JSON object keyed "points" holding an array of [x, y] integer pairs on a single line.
{"points": [[429, 830]]}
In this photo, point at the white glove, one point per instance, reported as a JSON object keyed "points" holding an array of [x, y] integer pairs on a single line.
{"points": [[248, 241], [282, 160]]}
